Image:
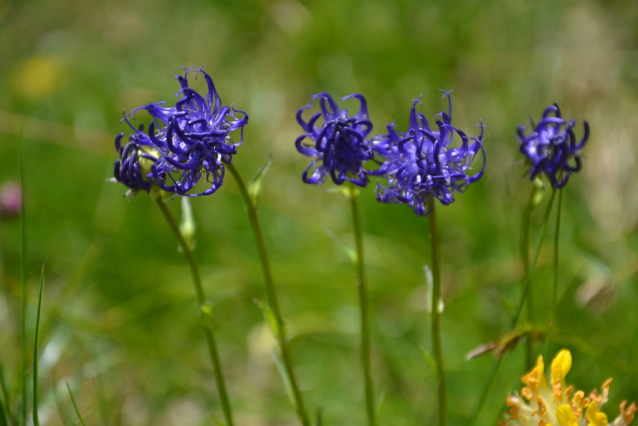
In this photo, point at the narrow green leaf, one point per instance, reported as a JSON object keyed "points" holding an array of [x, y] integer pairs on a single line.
{"points": [[4, 401], [36, 420], [254, 186], [218, 422], [187, 226], [347, 248], [427, 356], [538, 192], [23, 273], [284, 375], [77, 411], [3, 417], [270, 318], [319, 421]]}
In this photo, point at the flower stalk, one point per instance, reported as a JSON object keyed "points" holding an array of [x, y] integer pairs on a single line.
{"points": [[436, 316], [554, 304], [363, 302], [271, 294], [517, 315], [525, 229], [201, 300]]}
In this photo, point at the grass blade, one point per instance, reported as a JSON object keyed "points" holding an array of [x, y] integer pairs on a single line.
{"points": [[5, 414], [77, 411], [254, 186], [36, 420], [23, 277]]}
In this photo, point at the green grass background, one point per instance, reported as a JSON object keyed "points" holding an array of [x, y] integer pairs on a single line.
{"points": [[120, 322]]}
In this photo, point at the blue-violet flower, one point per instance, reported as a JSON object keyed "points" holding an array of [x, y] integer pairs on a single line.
{"points": [[550, 147], [421, 164], [134, 165], [338, 146], [183, 143]]}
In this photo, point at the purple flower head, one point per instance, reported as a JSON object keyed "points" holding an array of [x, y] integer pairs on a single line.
{"points": [[338, 146], [551, 149], [134, 165], [421, 164], [192, 139]]}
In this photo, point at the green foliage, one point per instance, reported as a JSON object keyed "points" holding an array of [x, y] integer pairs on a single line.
{"points": [[254, 186], [122, 298]]}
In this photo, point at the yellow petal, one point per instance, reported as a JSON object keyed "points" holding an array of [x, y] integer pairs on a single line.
{"points": [[561, 365], [565, 416], [594, 416]]}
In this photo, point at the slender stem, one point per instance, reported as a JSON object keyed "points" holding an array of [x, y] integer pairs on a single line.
{"points": [[23, 273], [271, 293], [36, 419], [516, 317], [363, 301], [436, 315], [487, 388], [555, 287], [525, 229], [528, 278], [201, 299]]}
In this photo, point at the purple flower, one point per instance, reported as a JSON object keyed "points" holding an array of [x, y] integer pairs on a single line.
{"points": [[191, 140], [338, 146], [552, 149], [133, 167], [421, 163]]}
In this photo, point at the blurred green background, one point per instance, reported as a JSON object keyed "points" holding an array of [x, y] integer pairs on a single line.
{"points": [[120, 322]]}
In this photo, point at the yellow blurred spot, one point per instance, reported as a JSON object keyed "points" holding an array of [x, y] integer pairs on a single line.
{"points": [[566, 416], [561, 365], [594, 416], [38, 76]]}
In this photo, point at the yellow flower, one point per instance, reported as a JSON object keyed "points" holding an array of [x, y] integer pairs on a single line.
{"points": [[556, 404]]}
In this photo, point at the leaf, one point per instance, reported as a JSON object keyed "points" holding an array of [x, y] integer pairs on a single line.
{"points": [[429, 280], [254, 186], [508, 341], [77, 411], [36, 420], [270, 318], [319, 421], [187, 226], [538, 192], [347, 248], [427, 357], [5, 413], [218, 422], [284, 375]]}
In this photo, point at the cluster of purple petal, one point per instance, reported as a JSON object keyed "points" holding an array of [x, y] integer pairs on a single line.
{"points": [[183, 144], [551, 148], [421, 164], [338, 146]]}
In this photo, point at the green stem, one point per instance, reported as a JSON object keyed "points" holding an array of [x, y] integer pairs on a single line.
{"points": [[525, 229], [528, 278], [555, 287], [201, 299], [23, 273], [363, 301], [516, 317], [36, 419], [436, 315], [487, 388], [271, 293]]}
